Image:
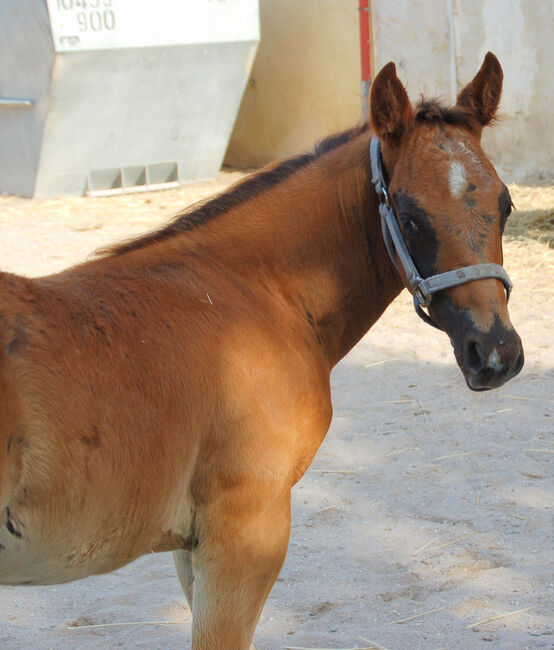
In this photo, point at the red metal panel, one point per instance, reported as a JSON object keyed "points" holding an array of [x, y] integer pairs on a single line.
{"points": [[364, 9]]}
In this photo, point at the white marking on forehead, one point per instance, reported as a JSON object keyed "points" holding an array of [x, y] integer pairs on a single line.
{"points": [[457, 179], [469, 153], [475, 164]]}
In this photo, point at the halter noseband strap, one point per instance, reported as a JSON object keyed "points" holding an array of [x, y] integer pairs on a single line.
{"points": [[422, 288]]}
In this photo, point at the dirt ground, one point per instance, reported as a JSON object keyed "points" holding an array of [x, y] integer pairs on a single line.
{"points": [[425, 521]]}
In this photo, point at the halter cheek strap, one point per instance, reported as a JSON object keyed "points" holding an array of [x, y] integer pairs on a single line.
{"points": [[421, 288]]}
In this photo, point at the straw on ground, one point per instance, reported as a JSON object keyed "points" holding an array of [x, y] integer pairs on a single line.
{"points": [[496, 618]]}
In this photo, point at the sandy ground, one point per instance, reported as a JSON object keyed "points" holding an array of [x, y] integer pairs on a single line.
{"points": [[427, 510]]}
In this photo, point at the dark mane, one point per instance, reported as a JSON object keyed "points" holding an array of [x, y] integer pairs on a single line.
{"points": [[431, 110], [250, 187]]}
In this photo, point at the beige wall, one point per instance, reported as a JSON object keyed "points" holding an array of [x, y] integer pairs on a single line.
{"points": [[415, 35], [439, 46], [521, 34], [306, 78], [305, 82]]}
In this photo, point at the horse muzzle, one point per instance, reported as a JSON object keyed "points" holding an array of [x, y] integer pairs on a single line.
{"points": [[489, 359]]}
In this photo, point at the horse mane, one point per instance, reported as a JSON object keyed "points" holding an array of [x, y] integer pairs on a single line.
{"points": [[427, 110], [432, 111], [261, 181]]}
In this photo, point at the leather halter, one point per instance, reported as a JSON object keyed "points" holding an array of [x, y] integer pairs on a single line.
{"points": [[421, 288]]}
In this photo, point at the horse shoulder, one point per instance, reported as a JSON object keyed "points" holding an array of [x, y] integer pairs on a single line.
{"points": [[275, 387]]}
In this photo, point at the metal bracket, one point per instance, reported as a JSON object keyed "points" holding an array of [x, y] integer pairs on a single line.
{"points": [[16, 102]]}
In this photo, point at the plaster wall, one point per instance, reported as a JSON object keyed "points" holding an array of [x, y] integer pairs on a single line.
{"points": [[305, 81], [520, 33]]}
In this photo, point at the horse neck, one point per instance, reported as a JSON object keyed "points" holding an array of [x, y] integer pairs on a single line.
{"points": [[315, 238]]}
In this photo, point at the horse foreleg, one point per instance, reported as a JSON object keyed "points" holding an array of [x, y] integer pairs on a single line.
{"points": [[234, 566], [183, 565]]}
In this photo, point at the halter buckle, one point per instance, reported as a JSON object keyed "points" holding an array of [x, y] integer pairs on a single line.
{"points": [[423, 299], [384, 196]]}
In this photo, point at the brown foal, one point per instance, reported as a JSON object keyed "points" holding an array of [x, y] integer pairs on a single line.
{"points": [[168, 394]]}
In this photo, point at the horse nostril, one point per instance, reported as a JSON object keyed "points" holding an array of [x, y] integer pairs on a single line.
{"points": [[474, 356], [487, 361]]}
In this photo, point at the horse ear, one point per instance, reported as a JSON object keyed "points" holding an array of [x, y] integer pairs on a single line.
{"points": [[390, 108], [482, 95]]}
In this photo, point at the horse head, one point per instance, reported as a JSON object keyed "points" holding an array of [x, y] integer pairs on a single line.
{"points": [[450, 207]]}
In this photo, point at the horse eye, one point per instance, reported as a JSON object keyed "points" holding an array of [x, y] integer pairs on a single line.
{"points": [[410, 227]]}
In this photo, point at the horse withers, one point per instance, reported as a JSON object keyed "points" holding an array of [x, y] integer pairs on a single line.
{"points": [[168, 394]]}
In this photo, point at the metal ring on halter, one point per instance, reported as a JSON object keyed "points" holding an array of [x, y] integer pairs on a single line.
{"points": [[422, 299], [384, 196]]}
